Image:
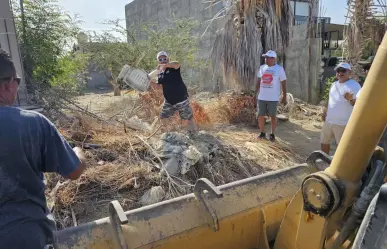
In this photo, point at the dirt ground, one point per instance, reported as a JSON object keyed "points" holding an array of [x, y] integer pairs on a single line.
{"points": [[302, 136]]}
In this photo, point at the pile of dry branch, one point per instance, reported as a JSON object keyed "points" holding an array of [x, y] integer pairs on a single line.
{"points": [[126, 165], [128, 158]]}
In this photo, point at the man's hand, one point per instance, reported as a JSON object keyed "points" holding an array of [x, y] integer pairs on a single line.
{"points": [[81, 167], [162, 67], [284, 100], [348, 96], [324, 115]]}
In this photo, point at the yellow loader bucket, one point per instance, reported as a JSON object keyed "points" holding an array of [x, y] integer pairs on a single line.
{"points": [[243, 214]]}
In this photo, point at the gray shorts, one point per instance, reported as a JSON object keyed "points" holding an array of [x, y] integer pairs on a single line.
{"points": [[267, 108], [183, 108]]}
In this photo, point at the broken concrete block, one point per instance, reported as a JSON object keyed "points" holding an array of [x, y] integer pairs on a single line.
{"points": [[172, 166], [137, 124], [193, 154], [152, 196], [282, 117], [185, 166]]}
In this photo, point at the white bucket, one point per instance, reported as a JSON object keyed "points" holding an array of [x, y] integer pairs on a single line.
{"points": [[135, 78]]}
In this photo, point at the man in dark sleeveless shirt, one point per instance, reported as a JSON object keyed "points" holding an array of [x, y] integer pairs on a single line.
{"points": [[174, 90]]}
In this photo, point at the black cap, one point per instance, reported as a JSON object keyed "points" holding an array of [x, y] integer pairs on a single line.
{"points": [[7, 67]]}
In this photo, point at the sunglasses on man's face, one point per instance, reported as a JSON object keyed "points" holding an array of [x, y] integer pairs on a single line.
{"points": [[17, 79], [163, 59], [341, 70]]}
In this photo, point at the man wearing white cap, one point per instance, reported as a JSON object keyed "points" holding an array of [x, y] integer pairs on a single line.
{"points": [[271, 77], [342, 96], [174, 90]]}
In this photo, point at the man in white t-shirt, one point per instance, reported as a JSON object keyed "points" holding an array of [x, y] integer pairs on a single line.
{"points": [[342, 97], [271, 77]]}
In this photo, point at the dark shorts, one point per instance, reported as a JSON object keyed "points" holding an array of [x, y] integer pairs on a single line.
{"points": [[183, 108], [267, 108]]}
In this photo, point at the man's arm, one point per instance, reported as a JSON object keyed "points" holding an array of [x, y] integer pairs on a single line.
{"points": [[58, 156], [82, 165], [258, 86], [173, 64], [283, 84], [325, 111], [352, 96], [259, 74]]}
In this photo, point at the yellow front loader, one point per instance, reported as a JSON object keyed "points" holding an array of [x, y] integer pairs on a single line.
{"points": [[301, 207]]}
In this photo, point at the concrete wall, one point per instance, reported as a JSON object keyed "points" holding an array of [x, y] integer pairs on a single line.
{"points": [[163, 12], [8, 42], [302, 68]]}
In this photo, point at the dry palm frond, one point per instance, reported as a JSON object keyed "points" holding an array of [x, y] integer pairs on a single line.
{"points": [[251, 26], [365, 31], [271, 155]]}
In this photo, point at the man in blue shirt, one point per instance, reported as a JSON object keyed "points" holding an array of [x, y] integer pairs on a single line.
{"points": [[29, 146]]}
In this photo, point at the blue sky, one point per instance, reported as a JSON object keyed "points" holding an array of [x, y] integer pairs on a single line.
{"points": [[93, 12]]}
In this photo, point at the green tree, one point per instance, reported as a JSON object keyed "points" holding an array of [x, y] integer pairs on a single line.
{"points": [[71, 74], [327, 87], [46, 35], [117, 46]]}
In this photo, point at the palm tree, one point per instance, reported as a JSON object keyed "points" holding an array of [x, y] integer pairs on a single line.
{"points": [[365, 31], [251, 27]]}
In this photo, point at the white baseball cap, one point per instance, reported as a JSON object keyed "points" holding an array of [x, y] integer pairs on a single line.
{"points": [[162, 53], [270, 53], [343, 65]]}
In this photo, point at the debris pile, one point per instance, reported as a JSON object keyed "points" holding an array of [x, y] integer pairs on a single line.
{"points": [[139, 170], [133, 161]]}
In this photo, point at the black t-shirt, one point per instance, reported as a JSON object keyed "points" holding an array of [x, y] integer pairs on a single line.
{"points": [[174, 89]]}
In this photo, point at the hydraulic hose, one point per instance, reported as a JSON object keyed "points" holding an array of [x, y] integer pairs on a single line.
{"points": [[361, 205]]}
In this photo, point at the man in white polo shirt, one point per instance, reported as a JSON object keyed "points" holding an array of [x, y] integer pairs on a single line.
{"points": [[339, 107], [271, 77]]}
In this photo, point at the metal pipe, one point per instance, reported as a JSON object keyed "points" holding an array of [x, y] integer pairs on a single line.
{"points": [[366, 125]]}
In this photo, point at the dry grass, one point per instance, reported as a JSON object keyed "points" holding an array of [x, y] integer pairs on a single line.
{"points": [[99, 185], [270, 155], [127, 164]]}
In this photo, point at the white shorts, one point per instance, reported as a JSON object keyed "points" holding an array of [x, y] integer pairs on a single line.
{"points": [[330, 131]]}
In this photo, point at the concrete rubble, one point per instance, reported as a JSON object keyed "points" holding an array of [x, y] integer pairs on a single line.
{"points": [[152, 196], [180, 152]]}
